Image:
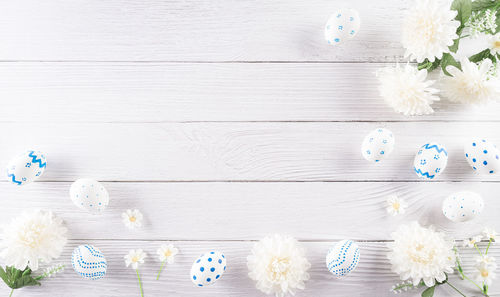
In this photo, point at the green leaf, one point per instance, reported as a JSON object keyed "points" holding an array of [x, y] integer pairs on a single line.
{"points": [[426, 64], [3, 275], [448, 60], [15, 278], [464, 9], [483, 4], [481, 56], [429, 292]]}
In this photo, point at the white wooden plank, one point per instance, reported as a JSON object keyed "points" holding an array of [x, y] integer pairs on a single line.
{"points": [[237, 151], [371, 278], [167, 92], [250, 30], [245, 211]]}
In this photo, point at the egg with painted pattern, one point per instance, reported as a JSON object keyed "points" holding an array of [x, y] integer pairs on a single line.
{"points": [[430, 161], [343, 258], [89, 195], [89, 262], [377, 145], [463, 206], [208, 268], [342, 25], [26, 167], [483, 156]]}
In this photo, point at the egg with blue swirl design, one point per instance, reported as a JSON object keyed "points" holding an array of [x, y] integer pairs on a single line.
{"points": [[89, 262], [483, 156], [208, 268], [343, 258], [430, 161], [342, 25], [463, 206], [377, 145], [26, 167]]}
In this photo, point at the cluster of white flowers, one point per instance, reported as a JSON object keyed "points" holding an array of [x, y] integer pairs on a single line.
{"points": [[481, 22], [484, 269]]}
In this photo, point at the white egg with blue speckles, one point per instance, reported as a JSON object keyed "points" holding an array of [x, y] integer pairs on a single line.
{"points": [[343, 258], [483, 156], [26, 167], [377, 145], [430, 161], [90, 195], [342, 25], [208, 268], [463, 206], [89, 262]]}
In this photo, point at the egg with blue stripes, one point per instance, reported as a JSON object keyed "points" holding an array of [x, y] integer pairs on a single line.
{"points": [[26, 167], [89, 262], [430, 160], [342, 25], [343, 258], [208, 268], [483, 156]]}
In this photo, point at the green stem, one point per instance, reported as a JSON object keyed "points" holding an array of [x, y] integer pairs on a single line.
{"points": [[473, 282], [488, 247], [11, 291], [161, 269], [140, 283], [480, 253], [456, 289]]}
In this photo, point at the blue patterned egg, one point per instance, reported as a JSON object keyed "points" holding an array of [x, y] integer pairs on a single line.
{"points": [[342, 25], [483, 156], [90, 195], [89, 262], [463, 206], [208, 268], [430, 161], [377, 145], [26, 167], [342, 258]]}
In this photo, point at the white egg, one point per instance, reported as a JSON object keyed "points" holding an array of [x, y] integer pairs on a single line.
{"points": [[89, 262], [483, 156], [208, 268], [26, 167], [377, 145], [463, 206], [342, 25], [90, 195], [430, 160], [343, 258]]}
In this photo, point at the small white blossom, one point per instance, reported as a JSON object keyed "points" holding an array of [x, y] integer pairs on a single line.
{"points": [[485, 273], [132, 218], [472, 241], [490, 234], [395, 205], [134, 258], [485, 259], [482, 22], [167, 253]]}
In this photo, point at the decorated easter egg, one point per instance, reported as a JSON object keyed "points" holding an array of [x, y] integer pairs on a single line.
{"points": [[342, 25], [430, 160], [377, 145], [463, 206], [208, 268], [26, 167], [483, 156], [342, 258], [90, 195], [89, 262]]}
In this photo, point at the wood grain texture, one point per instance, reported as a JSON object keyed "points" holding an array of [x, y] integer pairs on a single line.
{"points": [[170, 92], [372, 274]]}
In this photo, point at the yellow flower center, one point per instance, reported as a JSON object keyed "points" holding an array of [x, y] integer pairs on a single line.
{"points": [[421, 255], [428, 31], [168, 253], [132, 219], [396, 205], [484, 273], [135, 259], [496, 44], [278, 268]]}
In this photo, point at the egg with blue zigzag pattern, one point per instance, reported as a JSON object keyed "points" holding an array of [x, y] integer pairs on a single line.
{"points": [[430, 161], [343, 258], [208, 268], [89, 262], [26, 167]]}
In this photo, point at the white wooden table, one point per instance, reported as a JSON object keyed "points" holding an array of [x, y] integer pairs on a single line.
{"points": [[222, 121]]}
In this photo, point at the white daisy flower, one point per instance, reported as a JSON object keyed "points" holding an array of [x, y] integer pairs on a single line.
{"points": [[494, 44], [472, 241], [167, 253], [490, 234], [134, 258], [132, 218], [395, 205], [485, 273], [485, 259]]}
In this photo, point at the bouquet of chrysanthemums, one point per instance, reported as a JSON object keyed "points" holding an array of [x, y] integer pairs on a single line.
{"points": [[432, 32]]}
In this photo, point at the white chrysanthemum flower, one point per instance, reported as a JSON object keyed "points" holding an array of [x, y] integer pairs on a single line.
{"points": [[279, 265], [421, 254], [472, 84], [167, 253], [35, 236], [134, 258], [494, 44], [485, 273], [429, 29], [406, 89], [395, 205], [490, 234], [471, 242], [132, 218]]}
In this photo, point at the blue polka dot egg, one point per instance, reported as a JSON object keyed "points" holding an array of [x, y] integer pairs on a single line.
{"points": [[342, 258], [208, 268], [343, 24], [89, 195], [463, 206], [377, 145], [26, 167], [430, 160], [483, 156], [89, 262]]}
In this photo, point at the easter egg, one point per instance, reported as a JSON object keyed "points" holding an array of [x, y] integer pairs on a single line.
{"points": [[208, 268], [90, 195], [430, 160], [342, 258], [377, 145], [463, 206], [89, 262], [342, 25], [26, 167], [483, 156]]}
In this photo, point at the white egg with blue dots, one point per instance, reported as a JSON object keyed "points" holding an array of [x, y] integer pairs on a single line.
{"points": [[89, 262], [342, 25], [463, 206], [430, 161], [483, 156], [343, 258], [208, 268], [26, 167], [90, 195], [377, 145]]}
